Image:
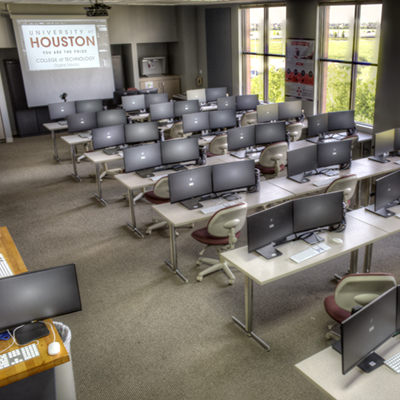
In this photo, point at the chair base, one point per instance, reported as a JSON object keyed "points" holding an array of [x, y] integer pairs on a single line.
{"points": [[156, 225], [110, 173], [215, 266], [334, 331]]}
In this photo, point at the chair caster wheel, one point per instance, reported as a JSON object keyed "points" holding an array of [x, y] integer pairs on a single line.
{"points": [[199, 278], [148, 232], [328, 336], [231, 281], [199, 263]]}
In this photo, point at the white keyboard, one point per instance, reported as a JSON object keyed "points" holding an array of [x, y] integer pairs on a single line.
{"points": [[5, 270], [218, 207], [19, 355], [323, 182], [309, 253], [157, 178], [394, 363]]}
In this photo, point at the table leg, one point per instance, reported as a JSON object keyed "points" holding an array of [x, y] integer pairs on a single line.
{"points": [[248, 326], [53, 136], [353, 262], [367, 258], [99, 194], [73, 156], [132, 224], [173, 265]]}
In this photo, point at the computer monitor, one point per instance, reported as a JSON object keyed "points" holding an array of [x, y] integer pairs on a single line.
{"points": [[161, 111], [226, 103], [212, 94], [366, 330], [147, 91], [196, 94], [302, 162], [384, 143], [317, 126], [387, 192], [267, 112], [241, 138], [316, 212], [341, 121], [290, 109], [141, 132], [195, 122], [246, 102], [61, 110], [133, 103], [333, 153], [34, 296], [269, 228], [111, 117], [271, 132], [117, 97], [222, 119], [142, 158], [187, 187], [396, 146], [81, 122], [155, 98], [186, 107], [84, 106], [177, 151], [108, 136]]}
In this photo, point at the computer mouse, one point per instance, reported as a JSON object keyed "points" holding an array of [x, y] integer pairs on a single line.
{"points": [[53, 348], [337, 240]]}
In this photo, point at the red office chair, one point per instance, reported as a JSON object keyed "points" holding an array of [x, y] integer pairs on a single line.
{"points": [[222, 230], [347, 183], [218, 146], [273, 158], [249, 118]]}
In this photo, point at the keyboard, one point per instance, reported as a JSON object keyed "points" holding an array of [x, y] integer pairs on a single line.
{"points": [[5, 270], [157, 178], [323, 182], [394, 363], [19, 355], [309, 253], [218, 207]]}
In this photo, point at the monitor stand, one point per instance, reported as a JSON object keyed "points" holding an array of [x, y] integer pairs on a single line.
{"points": [[232, 196], [300, 178], [31, 332], [383, 212], [269, 252], [381, 158], [312, 238], [192, 204], [146, 173]]}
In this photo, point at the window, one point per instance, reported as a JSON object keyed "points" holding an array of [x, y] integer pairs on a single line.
{"points": [[263, 55], [349, 59]]}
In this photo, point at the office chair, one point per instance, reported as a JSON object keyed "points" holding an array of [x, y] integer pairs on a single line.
{"points": [[176, 131], [249, 118], [109, 172], [347, 183], [273, 159], [222, 230], [355, 290], [218, 146], [295, 131]]}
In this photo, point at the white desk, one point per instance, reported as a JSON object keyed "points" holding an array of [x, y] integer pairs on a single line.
{"points": [[72, 141], [53, 127]]}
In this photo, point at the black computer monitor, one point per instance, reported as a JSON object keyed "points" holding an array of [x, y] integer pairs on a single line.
{"points": [[111, 117], [246, 102], [141, 132], [195, 122], [186, 107], [161, 111], [133, 103], [271, 132], [396, 145], [384, 143], [226, 103], [117, 98], [267, 112], [212, 94], [196, 94], [302, 162], [81, 122], [61, 110], [108, 136], [34, 296], [387, 194], [366, 330], [241, 138], [155, 98], [94, 105], [187, 187], [222, 119], [269, 228], [341, 120], [317, 125], [316, 212], [182, 150], [147, 91], [142, 158], [333, 153], [290, 109]]}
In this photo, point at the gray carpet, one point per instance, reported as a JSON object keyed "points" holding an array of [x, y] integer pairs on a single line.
{"points": [[142, 333]]}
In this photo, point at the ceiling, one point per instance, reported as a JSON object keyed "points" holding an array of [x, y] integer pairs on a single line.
{"points": [[135, 2]]}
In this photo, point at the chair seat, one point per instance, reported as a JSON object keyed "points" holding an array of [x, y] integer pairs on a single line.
{"points": [[203, 236], [211, 154], [334, 311], [150, 196], [268, 170]]}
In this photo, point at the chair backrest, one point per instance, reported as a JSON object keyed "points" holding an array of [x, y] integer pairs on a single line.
{"points": [[176, 130], [360, 289], [354, 141], [274, 154], [295, 130], [346, 183], [219, 145], [161, 188], [249, 118], [221, 223]]}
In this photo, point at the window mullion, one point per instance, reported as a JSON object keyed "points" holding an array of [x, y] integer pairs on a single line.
{"points": [[353, 82], [266, 51]]}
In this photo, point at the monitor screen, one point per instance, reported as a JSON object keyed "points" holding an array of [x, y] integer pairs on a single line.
{"points": [[384, 142], [226, 103], [289, 109], [162, 111], [111, 117], [387, 190], [186, 185], [147, 91], [212, 94], [133, 103], [341, 120], [234, 175], [84, 106], [61, 110], [117, 100], [108, 136], [334, 153], [81, 122], [242, 137], [246, 102], [155, 98], [141, 132], [222, 119], [195, 122], [317, 124], [38, 295], [302, 160], [267, 112], [396, 139], [180, 150], [271, 132], [367, 329], [197, 94], [186, 107], [142, 157]]}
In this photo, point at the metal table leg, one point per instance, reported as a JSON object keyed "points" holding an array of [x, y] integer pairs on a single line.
{"points": [[367, 258], [132, 225], [53, 136], [99, 195], [173, 265], [248, 326], [353, 262], [73, 156]]}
